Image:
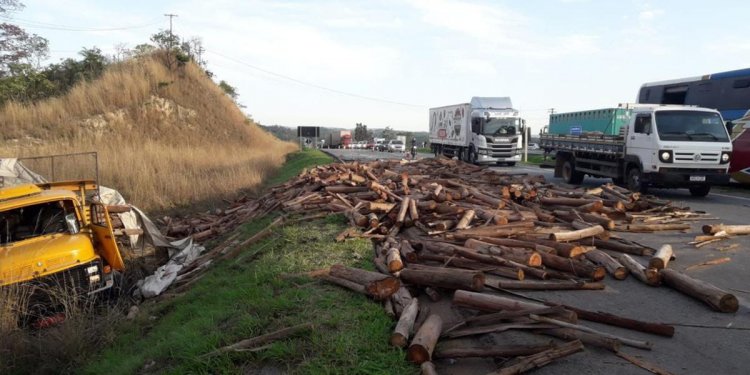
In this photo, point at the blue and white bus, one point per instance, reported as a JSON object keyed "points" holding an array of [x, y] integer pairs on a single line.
{"points": [[727, 92]]}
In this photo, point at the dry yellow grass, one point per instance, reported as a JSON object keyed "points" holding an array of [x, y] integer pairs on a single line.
{"points": [[165, 138]]}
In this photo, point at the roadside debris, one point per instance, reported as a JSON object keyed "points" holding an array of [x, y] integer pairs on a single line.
{"points": [[454, 230]]}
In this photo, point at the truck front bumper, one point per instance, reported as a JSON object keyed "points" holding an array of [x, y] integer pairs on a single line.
{"points": [[487, 156], [686, 177]]}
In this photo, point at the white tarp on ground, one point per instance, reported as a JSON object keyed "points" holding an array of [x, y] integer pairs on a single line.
{"points": [[110, 196], [165, 275]]}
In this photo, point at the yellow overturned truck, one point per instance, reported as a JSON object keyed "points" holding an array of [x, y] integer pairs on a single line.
{"points": [[50, 235]]}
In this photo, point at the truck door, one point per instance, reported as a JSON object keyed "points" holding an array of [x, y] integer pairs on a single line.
{"points": [[641, 140], [104, 236]]}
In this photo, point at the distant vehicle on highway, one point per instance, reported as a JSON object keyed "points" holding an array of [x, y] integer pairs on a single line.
{"points": [[370, 144], [396, 145], [380, 144], [361, 145], [533, 146]]}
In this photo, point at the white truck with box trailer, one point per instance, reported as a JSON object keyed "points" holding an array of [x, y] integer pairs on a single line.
{"points": [[488, 130], [641, 145]]}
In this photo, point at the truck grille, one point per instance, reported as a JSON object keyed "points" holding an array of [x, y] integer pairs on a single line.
{"points": [[502, 150], [697, 157]]}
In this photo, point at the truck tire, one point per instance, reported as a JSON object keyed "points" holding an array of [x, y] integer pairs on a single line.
{"points": [[472, 156], [569, 173], [635, 180], [700, 190]]}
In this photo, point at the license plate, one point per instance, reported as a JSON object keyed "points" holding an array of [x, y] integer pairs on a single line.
{"points": [[697, 178]]}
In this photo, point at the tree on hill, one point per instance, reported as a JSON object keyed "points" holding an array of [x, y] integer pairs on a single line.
{"points": [[389, 133], [16, 45], [361, 133]]}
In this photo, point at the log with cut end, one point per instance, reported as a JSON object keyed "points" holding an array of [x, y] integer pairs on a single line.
{"points": [[381, 206], [652, 227], [520, 255], [619, 321], [568, 250], [661, 258], [728, 229], [401, 334], [717, 298], [465, 220], [393, 259], [492, 303], [540, 359], [622, 247], [425, 340], [576, 267], [427, 368], [408, 252], [404, 208], [649, 276], [413, 212], [444, 278], [613, 267], [377, 285]]}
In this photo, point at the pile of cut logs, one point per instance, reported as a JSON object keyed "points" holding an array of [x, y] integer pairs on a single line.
{"points": [[442, 227]]}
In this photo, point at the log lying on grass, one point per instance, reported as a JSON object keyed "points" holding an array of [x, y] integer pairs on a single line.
{"points": [[401, 334], [259, 341], [718, 299], [377, 285]]}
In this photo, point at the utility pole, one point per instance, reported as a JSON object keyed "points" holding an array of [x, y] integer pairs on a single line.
{"points": [[171, 35], [551, 111]]}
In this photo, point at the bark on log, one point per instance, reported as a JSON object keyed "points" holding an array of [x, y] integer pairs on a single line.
{"points": [[661, 258], [425, 339], [619, 321], [613, 267], [577, 234], [587, 338], [622, 247], [717, 298], [540, 359], [401, 334], [567, 250], [573, 266], [627, 341], [548, 285], [393, 259], [465, 220], [444, 278], [648, 276], [407, 252], [506, 351], [378, 286], [728, 229], [492, 303]]}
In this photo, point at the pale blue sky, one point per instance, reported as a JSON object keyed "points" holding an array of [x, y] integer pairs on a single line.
{"points": [[566, 54]]}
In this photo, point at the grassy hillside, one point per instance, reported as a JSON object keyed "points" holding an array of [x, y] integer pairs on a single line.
{"points": [[165, 137]]}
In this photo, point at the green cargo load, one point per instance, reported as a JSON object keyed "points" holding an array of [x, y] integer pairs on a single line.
{"points": [[607, 121]]}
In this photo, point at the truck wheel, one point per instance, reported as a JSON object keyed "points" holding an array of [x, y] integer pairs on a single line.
{"points": [[569, 173], [472, 156], [700, 190], [635, 180]]}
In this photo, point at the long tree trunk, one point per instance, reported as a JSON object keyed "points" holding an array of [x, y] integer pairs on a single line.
{"points": [[718, 299]]}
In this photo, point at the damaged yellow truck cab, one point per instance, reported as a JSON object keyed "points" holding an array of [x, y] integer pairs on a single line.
{"points": [[49, 234]]}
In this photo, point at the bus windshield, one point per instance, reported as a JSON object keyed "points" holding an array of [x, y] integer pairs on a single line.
{"points": [[695, 126], [501, 126]]}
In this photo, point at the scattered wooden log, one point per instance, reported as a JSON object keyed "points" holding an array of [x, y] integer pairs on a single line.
{"points": [[613, 267], [505, 351], [627, 341], [444, 278], [377, 285], [541, 359], [727, 229], [401, 334], [427, 368], [493, 303], [585, 337], [425, 340], [548, 285], [258, 341], [661, 258], [718, 299], [649, 276]]}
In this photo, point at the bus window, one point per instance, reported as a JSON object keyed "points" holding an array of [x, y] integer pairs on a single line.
{"points": [[741, 83], [674, 95]]}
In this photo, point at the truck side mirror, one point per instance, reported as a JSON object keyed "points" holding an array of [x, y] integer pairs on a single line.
{"points": [[72, 223]]}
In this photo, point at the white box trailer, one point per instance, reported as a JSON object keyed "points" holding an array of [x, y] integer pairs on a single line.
{"points": [[487, 131]]}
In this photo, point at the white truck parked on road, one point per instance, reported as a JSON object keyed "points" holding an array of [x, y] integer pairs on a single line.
{"points": [[486, 131], [641, 145]]}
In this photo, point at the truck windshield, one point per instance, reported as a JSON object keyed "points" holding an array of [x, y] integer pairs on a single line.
{"points": [[690, 126], [500, 126], [35, 220]]}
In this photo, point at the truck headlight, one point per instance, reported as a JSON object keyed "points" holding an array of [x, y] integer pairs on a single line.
{"points": [[665, 156], [725, 156]]}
